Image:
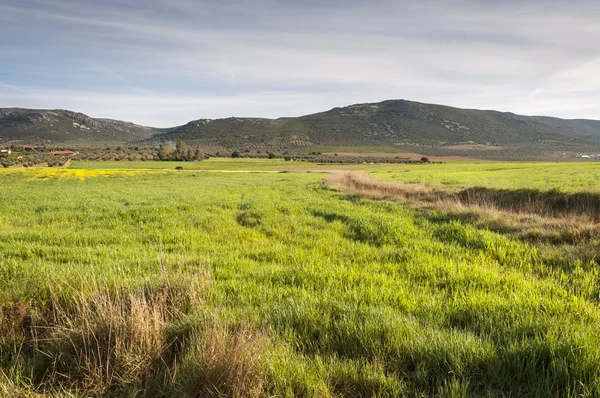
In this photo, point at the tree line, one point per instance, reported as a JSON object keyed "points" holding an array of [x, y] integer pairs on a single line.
{"points": [[182, 151]]}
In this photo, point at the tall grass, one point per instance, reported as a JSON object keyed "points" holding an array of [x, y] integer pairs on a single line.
{"points": [[222, 284], [538, 216]]}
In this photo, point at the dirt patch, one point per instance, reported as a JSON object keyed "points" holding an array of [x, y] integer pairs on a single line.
{"points": [[475, 147], [374, 154]]}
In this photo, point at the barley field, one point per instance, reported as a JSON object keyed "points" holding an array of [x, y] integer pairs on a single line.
{"points": [[132, 279]]}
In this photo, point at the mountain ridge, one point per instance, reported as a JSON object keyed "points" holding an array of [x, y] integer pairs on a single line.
{"points": [[39, 126], [398, 123]]}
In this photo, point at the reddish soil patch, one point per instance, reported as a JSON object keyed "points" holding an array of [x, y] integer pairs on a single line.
{"points": [[477, 147]]}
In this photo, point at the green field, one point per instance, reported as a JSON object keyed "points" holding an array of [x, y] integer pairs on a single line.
{"points": [[194, 283], [572, 177], [222, 164]]}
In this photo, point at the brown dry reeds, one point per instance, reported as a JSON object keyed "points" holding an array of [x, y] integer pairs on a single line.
{"points": [[361, 184], [552, 216]]}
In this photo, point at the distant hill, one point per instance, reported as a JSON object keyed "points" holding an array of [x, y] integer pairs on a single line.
{"points": [[30, 126], [400, 123], [404, 125]]}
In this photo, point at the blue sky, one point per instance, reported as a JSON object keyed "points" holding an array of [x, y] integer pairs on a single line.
{"points": [[165, 62]]}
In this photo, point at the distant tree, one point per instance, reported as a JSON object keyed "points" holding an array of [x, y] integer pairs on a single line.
{"points": [[424, 159], [189, 153], [199, 154], [181, 149], [235, 154], [272, 155], [164, 152]]}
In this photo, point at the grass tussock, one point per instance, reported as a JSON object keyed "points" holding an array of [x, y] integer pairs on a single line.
{"points": [[109, 339], [118, 341], [224, 362]]}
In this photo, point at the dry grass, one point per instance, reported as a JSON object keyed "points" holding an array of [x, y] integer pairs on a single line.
{"points": [[552, 218], [361, 184], [116, 342], [106, 340], [224, 362]]}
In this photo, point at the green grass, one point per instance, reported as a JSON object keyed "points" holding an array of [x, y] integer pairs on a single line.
{"points": [[572, 177], [351, 297], [212, 164], [228, 164]]}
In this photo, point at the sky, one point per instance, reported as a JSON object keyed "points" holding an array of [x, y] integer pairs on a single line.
{"points": [[165, 62]]}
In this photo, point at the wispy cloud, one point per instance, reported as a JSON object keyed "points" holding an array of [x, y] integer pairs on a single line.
{"points": [[13, 88], [167, 62]]}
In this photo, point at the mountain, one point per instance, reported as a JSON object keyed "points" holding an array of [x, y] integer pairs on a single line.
{"points": [[404, 125], [399, 123], [30, 126]]}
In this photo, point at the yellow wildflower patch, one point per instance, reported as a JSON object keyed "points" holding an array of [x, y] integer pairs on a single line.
{"points": [[48, 173]]}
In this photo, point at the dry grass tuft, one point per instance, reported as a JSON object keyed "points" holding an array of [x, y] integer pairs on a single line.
{"points": [[14, 320], [360, 183], [225, 362], [119, 341], [102, 340]]}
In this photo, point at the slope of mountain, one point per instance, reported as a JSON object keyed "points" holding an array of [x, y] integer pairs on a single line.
{"points": [[406, 125], [60, 126], [393, 122]]}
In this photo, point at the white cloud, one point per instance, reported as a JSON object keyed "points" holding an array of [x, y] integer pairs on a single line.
{"points": [[166, 62]]}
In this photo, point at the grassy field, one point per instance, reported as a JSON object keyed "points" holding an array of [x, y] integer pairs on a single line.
{"points": [[194, 283], [572, 177]]}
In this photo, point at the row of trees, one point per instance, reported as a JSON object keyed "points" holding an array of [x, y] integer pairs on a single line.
{"points": [[354, 159], [182, 152], [33, 160]]}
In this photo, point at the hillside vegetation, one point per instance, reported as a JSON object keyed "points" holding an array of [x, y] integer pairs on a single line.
{"points": [[409, 125], [400, 125], [246, 282], [28, 126]]}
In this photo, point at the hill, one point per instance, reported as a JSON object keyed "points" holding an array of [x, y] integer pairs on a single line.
{"points": [[408, 125], [61, 126], [396, 125]]}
